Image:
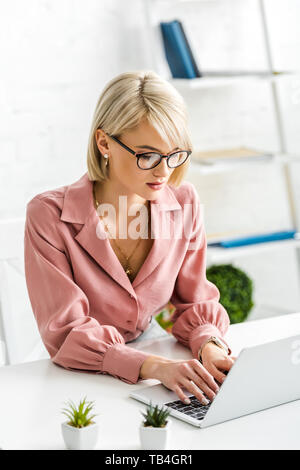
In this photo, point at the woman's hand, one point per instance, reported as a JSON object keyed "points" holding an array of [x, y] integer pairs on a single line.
{"points": [[177, 374], [216, 361]]}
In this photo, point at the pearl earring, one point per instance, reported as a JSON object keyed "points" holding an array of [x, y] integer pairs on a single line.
{"points": [[106, 157]]}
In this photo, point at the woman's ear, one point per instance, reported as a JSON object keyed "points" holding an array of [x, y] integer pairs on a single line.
{"points": [[101, 141]]}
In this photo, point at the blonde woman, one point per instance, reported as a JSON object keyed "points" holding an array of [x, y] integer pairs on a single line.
{"points": [[98, 265]]}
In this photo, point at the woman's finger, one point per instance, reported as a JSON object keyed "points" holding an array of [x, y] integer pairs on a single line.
{"points": [[224, 363], [184, 398], [205, 375], [195, 390], [218, 375], [199, 382]]}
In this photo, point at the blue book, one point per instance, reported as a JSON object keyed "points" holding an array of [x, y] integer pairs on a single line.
{"points": [[198, 73], [176, 50], [268, 237]]}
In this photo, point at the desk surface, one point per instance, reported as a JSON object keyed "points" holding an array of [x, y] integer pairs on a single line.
{"points": [[32, 395]]}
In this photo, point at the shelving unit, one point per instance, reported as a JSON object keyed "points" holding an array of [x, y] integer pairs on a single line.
{"points": [[196, 85]]}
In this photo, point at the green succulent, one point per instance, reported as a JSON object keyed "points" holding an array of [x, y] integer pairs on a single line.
{"points": [[79, 416], [155, 416], [235, 289]]}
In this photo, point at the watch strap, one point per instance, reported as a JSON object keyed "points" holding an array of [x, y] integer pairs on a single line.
{"points": [[215, 340]]}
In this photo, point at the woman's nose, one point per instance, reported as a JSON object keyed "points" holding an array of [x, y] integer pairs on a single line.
{"points": [[162, 169]]}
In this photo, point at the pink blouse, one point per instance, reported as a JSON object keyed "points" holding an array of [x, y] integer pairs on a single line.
{"points": [[86, 307]]}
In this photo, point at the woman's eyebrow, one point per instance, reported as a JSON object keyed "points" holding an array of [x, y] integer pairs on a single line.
{"points": [[152, 148]]}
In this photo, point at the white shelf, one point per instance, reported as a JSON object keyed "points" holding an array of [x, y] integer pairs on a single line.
{"points": [[219, 254], [223, 166], [227, 165], [227, 80]]}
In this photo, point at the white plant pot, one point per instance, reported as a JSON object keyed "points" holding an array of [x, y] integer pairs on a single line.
{"points": [[155, 438], [80, 438]]}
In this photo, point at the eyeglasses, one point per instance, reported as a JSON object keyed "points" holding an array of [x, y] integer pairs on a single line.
{"points": [[148, 160]]}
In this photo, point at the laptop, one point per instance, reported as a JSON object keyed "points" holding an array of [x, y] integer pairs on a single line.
{"points": [[261, 377]]}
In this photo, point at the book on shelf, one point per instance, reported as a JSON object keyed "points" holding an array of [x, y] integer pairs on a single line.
{"points": [[182, 62], [239, 154], [178, 51], [257, 238]]}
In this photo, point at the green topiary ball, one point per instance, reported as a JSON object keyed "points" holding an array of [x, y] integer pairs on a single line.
{"points": [[235, 290]]}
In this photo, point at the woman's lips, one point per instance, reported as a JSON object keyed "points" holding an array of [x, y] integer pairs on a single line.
{"points": [[155, 186]]}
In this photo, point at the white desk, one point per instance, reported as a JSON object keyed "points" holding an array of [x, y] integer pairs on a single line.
{"points": [[33, 394]]}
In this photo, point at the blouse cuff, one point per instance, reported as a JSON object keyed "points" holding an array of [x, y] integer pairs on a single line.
{"points": [[201, 334], [124, 362]]}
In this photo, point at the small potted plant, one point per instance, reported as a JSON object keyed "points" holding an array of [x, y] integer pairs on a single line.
{"points": [[154, 430], [80, 432]]}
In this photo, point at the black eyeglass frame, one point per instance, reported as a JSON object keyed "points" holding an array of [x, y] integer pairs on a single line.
{"points": [[138, 155]]}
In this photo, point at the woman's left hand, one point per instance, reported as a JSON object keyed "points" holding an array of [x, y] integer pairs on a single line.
{"points": [[216, 361]]}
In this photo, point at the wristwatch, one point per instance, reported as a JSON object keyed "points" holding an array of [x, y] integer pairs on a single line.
{"points": [[215, 340]]}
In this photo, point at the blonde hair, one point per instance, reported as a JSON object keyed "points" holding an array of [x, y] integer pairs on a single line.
{"points": [[124, 102]]}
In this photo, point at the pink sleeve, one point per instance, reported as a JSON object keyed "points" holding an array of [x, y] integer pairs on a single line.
{"points": [[73, 338], [198, 313]]}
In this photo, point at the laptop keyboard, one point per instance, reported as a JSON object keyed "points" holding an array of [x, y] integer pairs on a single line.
{"points": [[195, 409]]}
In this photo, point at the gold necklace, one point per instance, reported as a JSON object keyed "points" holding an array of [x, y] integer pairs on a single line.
{"points": [[128, 269]]}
